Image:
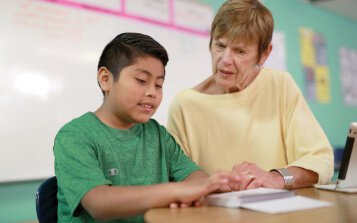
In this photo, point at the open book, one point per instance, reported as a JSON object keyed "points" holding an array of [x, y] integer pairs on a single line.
{"points": [[239, 198], [266, 200]]}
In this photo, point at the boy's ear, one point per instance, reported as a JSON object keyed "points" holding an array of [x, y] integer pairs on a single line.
{"points": [[105, 79]]}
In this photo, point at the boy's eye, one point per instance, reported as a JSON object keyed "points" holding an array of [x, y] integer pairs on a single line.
{"points": [[158, 85], [141, 81]]}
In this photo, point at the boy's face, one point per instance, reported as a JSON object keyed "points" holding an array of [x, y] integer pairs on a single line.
{"points": [[137, 93]]}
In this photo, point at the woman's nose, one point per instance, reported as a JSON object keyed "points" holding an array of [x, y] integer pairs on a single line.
{"points": [[227, 56]]}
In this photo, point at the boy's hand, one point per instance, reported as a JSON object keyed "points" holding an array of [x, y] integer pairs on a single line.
{"points": [[192, 192]]}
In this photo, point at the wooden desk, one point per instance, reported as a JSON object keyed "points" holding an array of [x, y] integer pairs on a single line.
{"points": [[343, 210]]}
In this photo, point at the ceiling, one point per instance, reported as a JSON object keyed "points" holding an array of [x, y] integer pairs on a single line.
{"points": [[347, 8]]}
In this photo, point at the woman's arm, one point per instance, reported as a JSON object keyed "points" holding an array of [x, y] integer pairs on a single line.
{"points": [[252, 176]]}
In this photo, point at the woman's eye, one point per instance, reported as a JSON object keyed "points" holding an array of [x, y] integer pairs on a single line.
{"points": [[220, 45]]}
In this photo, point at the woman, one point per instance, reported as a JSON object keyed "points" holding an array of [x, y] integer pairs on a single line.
{"points": [[246, 117]]}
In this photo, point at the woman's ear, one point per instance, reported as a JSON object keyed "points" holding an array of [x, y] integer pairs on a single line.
{"points": [[105, 79], [265, 54]]}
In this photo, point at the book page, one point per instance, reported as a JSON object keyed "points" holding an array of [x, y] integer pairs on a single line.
{"points": [[251, 192], [288, 204]]}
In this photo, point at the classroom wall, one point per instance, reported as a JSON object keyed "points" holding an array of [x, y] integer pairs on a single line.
{"points": [[54, 79], [338, 31], [17, 200]]}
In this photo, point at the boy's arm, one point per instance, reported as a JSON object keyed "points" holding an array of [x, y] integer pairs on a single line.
{"points": [[113, 202], [196, 176]]}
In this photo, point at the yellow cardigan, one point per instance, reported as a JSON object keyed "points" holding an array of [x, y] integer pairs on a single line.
{"points": [[268, 123]]}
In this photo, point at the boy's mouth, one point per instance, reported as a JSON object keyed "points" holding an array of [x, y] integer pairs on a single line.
{"points": [[148, 107]]}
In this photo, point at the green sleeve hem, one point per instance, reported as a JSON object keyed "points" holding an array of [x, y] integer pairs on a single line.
{"points": [[83, 191]]}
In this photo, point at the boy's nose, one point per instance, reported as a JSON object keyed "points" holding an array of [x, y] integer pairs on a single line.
{"points": [[151, 92]]}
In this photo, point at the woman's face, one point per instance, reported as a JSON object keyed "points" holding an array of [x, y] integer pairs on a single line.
{"points": [[234, 65]]}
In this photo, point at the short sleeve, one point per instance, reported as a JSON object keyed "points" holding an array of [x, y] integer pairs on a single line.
{"points": [[308, 146], [76, 166], [180, 166]]}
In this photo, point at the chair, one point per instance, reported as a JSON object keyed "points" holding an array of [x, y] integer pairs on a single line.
{"points": [[46, 201]]}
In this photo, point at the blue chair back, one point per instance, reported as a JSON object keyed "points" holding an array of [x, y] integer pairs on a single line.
{"points": [[46, 201]]}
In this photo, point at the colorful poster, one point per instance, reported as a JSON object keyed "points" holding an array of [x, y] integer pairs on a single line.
{"points": [[313, 57]]}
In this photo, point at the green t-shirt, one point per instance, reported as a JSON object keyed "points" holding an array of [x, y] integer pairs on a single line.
{"points": [[88, 154]]}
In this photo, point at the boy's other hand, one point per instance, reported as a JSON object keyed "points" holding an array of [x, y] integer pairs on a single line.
{"points": [[192, 192]]}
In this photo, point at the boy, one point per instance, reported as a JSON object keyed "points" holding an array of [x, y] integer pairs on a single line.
{"points": [[116, 163]]}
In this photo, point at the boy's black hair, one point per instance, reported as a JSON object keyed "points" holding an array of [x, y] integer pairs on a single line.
{"points": [[126, 48]]}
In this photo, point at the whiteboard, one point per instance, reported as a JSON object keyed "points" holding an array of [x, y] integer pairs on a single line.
{"points": [[48, 63]]}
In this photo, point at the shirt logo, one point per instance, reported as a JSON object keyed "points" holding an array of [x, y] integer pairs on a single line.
{"points": [[113, 172]]}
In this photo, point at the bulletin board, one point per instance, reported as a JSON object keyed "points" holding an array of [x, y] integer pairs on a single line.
{"points": [[49, 52]]}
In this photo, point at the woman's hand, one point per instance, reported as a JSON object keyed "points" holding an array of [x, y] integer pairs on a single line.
{"points": [[252, 176]]}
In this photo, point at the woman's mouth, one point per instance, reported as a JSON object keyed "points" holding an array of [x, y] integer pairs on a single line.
{"points": [[225, 73]]}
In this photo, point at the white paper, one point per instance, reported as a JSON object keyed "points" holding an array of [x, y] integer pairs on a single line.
{"points": [[107, 4], [278, 57], [348, 69], [158, 10], [193, 15], [289, 204]]}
